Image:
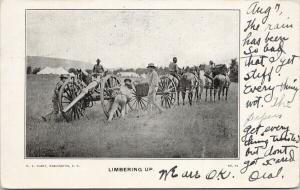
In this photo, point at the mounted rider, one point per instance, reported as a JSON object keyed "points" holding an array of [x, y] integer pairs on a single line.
{"points": [[173, 68], [98, 69], [208, 69]]}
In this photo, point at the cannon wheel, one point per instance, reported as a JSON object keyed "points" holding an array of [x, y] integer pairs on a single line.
{"points": [[138, 102], [107, 95], [68, 92], [167, 91]]}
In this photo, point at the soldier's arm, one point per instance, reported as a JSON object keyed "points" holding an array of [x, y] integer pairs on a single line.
{"points": [[57, 88]]}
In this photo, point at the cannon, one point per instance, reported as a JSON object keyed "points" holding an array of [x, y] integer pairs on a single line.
{"points": [[75, 96]]}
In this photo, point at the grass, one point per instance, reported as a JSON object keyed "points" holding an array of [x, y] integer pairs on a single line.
{"points": [[205, 130]]}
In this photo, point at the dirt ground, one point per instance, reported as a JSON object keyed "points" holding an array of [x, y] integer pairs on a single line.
{"points": [[204, 130]]}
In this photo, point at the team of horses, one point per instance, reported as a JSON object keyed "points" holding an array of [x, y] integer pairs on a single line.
{"points": [[193, 81]]}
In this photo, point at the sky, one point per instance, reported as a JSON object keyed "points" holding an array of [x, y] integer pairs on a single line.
{"points": [[134, 38]]}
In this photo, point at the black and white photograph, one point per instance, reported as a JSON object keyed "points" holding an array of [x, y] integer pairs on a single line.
{"points": [[132, 83]]}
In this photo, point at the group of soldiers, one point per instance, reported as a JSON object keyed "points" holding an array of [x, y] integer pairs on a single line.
{"points": [[124, 94], [122, 98], [174, 70], [54, 114]]}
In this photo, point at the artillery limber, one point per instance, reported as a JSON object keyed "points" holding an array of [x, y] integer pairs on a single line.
{"points": [[166, 93], [75, 96]]}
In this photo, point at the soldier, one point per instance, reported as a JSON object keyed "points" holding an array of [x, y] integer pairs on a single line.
{"points": [[173, 67], [122, 98], [98, 68], [55, 100], [208, 70], [153, 86], [211, 63]]}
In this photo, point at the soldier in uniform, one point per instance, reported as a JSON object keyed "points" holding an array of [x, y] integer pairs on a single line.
{"points": [[153, 86], [173, 67], [211, 63], [98, 68], [208, 69], [124, 95], [55, 100]]}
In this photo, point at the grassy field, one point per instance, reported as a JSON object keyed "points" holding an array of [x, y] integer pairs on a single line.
{"points": [[205, 130]]}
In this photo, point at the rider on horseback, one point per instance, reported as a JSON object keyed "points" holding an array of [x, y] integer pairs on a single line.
{"points": [[98, 69], [208, 69], [173, 68]]}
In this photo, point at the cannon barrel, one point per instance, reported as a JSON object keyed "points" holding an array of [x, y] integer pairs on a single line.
{"points": [[85, 90]]}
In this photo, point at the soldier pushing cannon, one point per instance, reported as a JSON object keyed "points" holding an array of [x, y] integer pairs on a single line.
{"points": [[54, 114]]}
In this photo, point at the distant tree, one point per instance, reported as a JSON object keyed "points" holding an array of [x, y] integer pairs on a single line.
{"points": [[36, 70], [141, 71], [72, 70], [234, 70], [129, 70], [29, 70], [161, 71], [118, 70]]}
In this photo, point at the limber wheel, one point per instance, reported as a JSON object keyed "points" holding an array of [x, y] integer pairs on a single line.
{"points": [[139, 100], [107, 94], [167, 91], [68, 92]]}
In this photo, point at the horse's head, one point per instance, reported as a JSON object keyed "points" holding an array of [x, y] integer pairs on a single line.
{"points": [[180, 71], [83, 76], [79, 74]]}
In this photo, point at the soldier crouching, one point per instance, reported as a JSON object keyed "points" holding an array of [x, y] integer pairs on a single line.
{"points": [[122, 98], [55, 113]]}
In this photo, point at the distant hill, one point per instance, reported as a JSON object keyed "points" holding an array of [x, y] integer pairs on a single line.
{"points": [[42, 62]]}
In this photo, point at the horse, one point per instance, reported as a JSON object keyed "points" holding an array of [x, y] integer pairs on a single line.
{"points": [[186, 82], [200, 84], [215, 78], [221, 85], [221, 81], [205, 73], [84, 76]]}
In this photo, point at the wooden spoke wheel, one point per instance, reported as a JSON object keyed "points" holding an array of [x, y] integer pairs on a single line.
{"points": [[107, 94], [139, 100], [167, 91], [68, 92]]}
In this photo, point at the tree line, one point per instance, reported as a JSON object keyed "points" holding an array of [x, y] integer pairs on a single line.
{"points": [[234, 70]]}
